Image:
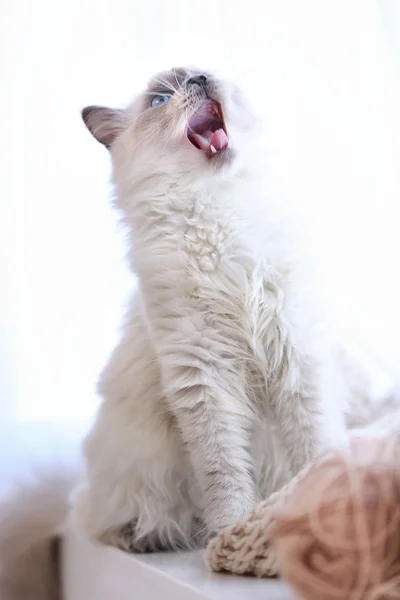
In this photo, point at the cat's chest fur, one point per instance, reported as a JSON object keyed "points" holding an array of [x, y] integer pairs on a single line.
{"points": [[209, 240], [227, 259], [206, 252]]}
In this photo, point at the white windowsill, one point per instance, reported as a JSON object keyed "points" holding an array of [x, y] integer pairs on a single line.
{"points": [[92, 571]]}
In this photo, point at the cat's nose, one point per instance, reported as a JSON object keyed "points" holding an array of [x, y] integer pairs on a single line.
{"points": [[200, 80]]}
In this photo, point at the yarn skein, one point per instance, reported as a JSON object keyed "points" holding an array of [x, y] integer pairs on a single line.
{"points": [[338, 536]]}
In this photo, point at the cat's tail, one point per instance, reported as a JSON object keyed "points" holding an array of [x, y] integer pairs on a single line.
{"points": [[32, 515]]}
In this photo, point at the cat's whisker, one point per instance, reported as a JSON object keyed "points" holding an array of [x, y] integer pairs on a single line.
{"points": [[164, 83], [177, 82]]}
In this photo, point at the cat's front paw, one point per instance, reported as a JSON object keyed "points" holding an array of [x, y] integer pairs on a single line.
{"points": [[130, 542], [214, 533], [129, 539], [220, 515], [125, 538]]}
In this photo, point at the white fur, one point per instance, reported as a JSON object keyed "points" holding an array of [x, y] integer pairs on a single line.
{"points": [[223, 382]]}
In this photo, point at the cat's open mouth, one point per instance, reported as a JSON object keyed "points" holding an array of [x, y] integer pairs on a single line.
{"points": [[206, 129]]}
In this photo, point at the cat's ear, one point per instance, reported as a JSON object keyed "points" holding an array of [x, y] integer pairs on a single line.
{"points": [[103, 123]]}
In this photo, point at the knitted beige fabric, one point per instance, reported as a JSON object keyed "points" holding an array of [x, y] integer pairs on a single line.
{"points": [[244, 547]]}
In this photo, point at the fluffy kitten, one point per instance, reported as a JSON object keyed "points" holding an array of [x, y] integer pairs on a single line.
{"points": [[222, 384]]}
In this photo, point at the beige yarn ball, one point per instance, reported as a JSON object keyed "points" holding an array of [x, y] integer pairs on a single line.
{"points": [[338, 537]]}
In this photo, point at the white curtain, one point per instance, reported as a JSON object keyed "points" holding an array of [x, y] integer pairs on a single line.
{"points": [[322, 72]]}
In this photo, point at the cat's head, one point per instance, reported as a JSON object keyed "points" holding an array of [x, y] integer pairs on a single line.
{"points": [[187, 122]]}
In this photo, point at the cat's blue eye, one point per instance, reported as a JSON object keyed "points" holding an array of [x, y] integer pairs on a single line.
{"points": [[160, 99]]}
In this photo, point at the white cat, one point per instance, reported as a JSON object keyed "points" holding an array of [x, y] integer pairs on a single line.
{"points": [[224, 382], [221, 386]]}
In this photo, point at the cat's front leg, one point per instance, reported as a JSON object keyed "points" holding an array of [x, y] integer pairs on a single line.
{"points": [[307, 403], [206, 392]]}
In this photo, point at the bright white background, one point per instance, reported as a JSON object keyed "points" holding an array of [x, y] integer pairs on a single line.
{"points": [[323, 72]]}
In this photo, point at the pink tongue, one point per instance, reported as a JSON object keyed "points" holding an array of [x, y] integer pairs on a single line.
{"points": [[219, 140]]}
